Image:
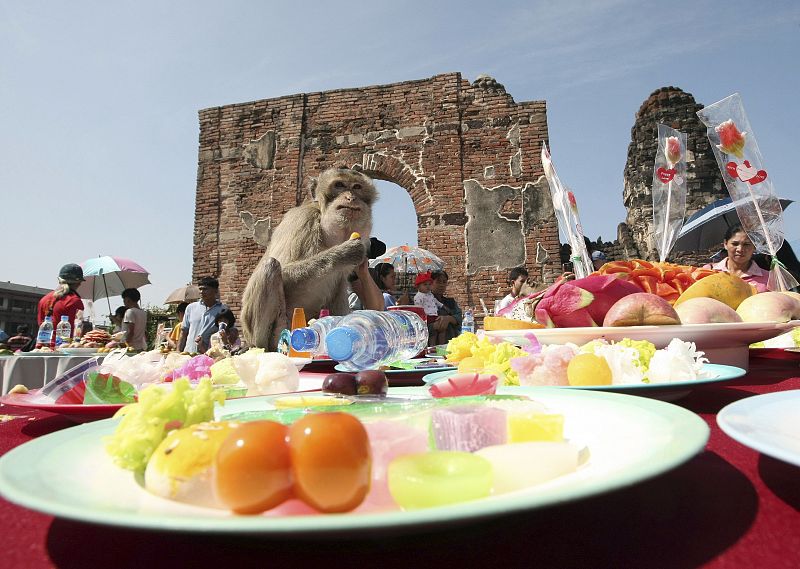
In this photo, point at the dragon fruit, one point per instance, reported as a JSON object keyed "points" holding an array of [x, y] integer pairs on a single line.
{"points": [[582, 302], [556, 309]]}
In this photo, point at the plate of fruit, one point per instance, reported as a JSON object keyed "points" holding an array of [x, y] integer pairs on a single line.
{"points": [[400, 464], [720, 314], [626, 365]]}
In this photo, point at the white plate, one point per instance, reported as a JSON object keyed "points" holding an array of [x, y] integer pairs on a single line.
{"points": [[81, 351], [37, 354], [68, 473], [768, 423], [422, 369], [724, 343], [664, 391]]}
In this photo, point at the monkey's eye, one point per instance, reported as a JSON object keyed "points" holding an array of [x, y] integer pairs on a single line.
{"points": [[338, 184], [356, 186]]}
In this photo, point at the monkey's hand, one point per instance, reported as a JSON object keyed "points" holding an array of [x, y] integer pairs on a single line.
{"points": [[345, 256], [351, 253]]}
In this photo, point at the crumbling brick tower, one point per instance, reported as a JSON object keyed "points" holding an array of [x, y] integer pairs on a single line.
{"points": [[678, 109], [467, 155]]}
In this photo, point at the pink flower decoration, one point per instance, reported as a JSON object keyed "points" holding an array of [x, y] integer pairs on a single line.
{"points": [[731, 141], [673, 150]]}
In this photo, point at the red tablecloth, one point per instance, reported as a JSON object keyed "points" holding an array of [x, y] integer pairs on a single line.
{"points": [[728, 507]]}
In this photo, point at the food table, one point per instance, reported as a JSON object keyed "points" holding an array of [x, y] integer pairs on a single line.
{"points": [[727, 507], [34, 370]]}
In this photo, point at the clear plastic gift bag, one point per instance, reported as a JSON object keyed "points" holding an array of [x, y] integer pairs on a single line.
{"points": [[739, 159], [566, 209], [669, 189]]}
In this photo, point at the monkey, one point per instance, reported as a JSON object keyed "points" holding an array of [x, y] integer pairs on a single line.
{"points": [[310, 256]]}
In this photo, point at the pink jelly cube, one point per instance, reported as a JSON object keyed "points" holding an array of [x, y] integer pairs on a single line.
{"points": [[469, 428]]}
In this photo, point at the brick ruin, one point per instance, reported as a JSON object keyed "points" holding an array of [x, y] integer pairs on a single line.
{"points": [[466, 153]]}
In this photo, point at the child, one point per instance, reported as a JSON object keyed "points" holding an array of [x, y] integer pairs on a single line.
{"points": [[428, 302], [227, 334], [134, 321]]}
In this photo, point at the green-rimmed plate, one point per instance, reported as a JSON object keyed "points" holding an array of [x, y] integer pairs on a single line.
{"points": [[68, 474], [665, 391]]}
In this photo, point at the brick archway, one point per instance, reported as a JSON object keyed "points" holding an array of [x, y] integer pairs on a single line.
{"points": [[461, 150]]}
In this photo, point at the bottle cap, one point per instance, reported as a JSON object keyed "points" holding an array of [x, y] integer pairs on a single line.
{"points": [[324, 312], [340, 343], [304, 339]]}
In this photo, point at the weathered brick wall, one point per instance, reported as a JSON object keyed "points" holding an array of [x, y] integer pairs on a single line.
{"points": [[435, 138]]}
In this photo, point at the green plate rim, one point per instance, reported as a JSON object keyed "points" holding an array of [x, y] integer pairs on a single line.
{"points": [[730, 373], [689, 436]]}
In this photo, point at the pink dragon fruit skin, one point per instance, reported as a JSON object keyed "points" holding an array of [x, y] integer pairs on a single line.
{"points": [[582, 302], [564, 305]]}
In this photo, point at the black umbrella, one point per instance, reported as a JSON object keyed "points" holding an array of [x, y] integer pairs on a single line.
{"points": [[706, 228]]}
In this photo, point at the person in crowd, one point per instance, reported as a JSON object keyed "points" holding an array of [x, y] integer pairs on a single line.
{"points": [[384, 276], [516, 279], [118, 319], [199, 321], [134, 322], [598, 259], [228, 333], [22, 342], [175, 336], [3, 340], [449, 322], [364, 293], [428, 302], [64, 300], [739, 260]]}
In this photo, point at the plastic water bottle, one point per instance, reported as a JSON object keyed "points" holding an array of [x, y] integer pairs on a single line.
{"points": [[468, 322], [63, 331], [312, 338], [366, 339], [45, 335]]}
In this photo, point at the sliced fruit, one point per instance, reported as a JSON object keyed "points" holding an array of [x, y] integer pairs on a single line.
{"points": [[501, 323]]}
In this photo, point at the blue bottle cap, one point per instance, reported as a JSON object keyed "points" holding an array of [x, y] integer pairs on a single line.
{"points": [[304, 339], [340, 343]]}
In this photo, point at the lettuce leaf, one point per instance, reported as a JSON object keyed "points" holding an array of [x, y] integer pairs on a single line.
{"points": [[144, 425]]}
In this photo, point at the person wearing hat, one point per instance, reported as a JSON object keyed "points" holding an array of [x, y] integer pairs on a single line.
{"points": [[426, 299], [598, 259], [363, 291], [63, 300]]}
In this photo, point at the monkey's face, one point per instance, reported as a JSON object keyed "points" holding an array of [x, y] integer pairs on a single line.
{"points": [[347, 195]]}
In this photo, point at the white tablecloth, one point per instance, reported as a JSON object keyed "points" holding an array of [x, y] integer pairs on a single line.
{"points": [[34, 371]]}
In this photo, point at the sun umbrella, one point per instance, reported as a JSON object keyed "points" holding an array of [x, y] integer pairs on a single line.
{"points": [[188, 293], [408, 259], [706, 228], [109, 276]]}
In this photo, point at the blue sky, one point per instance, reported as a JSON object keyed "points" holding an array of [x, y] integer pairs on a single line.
{"points": [[99, 100]]}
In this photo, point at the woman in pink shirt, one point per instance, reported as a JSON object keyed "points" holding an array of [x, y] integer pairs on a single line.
{"points": [[740, 261]]}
